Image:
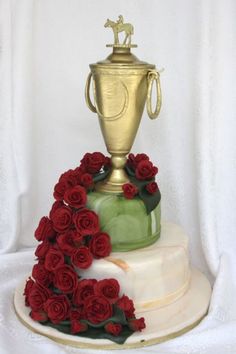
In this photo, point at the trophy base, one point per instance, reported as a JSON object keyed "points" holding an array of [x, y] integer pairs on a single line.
{"points": [[106, 187]]}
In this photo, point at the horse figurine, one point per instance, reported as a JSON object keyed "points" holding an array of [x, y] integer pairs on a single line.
{"points": [[120, 26]]}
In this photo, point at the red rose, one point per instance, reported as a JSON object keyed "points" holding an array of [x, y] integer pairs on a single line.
{"points": [[152, 187], [37, 296], [127, 305], [113, 328], [84, 290], [97, 309], [76, 196], [54, 259], [100, 245], [65, 279], [44, 229], [86, 180], [61, 219], [86, 222], [42, 275], [28, 286], [69, 178], [82, 258], [39, 316], [109, 288], [66, 242], [107, 163], [59, 190], [130, 190], [78, 327], [134, 160], [93, 162], [57, 204], [145, 170], [42, 249], [57, 308], [78, 171], [137, 324]]}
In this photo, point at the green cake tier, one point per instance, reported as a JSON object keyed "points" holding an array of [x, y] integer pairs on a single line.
{"points": [[125, 220]]}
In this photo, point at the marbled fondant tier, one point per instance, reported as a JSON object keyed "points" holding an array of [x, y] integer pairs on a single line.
{"points": [[153, 276], [126, 221]]}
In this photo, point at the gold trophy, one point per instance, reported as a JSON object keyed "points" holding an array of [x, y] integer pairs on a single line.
{"points": [[121, 86]]}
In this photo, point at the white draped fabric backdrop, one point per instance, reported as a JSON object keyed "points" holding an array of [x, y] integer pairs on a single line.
{"points": [[45, 128]]}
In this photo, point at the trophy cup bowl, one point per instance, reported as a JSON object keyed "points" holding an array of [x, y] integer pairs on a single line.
{"points": [[121, 86]]}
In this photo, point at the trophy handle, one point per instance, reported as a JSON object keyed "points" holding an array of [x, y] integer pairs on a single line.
{"points": [[87, 94], [95, 108], [153, 75]]}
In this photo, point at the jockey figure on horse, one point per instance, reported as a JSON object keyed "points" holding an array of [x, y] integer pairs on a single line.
{"points": [[120, 26]]}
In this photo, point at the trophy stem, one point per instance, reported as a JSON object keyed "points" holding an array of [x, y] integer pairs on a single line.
{"points": [[118, 176]]}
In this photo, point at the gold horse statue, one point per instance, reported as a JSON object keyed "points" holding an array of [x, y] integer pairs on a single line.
{"points": [[120, 26]]}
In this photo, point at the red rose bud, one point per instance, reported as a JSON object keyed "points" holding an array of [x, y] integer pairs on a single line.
{"points": [[86, 222], [137, 324], [109, 288], [84, 290], [100, 245], [61, 219], [145, 170], [75, 314], [130, 190], [54, 259], [86, 180], [127, 305], [44, 230], [66, 242], [57, 204], [113, 328], [42, 249], [152, 187], [97, 309], [65, 279], [78, 327], [93, 162], [59, 190], [57, 308], [76, 197], [42, 275], [28, 286], [39, 316], [82, 258], [37, 296]]}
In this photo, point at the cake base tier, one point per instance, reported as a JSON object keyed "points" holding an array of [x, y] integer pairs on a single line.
{"points": [[161, 324]]}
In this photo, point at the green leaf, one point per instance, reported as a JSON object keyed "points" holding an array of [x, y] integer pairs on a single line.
{"points": [[150, 200], [118, 317], [93, 333], [101, 176], [129, 171]]}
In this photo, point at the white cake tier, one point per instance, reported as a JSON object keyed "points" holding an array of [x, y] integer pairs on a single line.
{"points": [[154, 276]]}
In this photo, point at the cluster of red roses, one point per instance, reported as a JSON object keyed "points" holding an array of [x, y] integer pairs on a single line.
{"points": [[141, 168], [70, 239]]}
